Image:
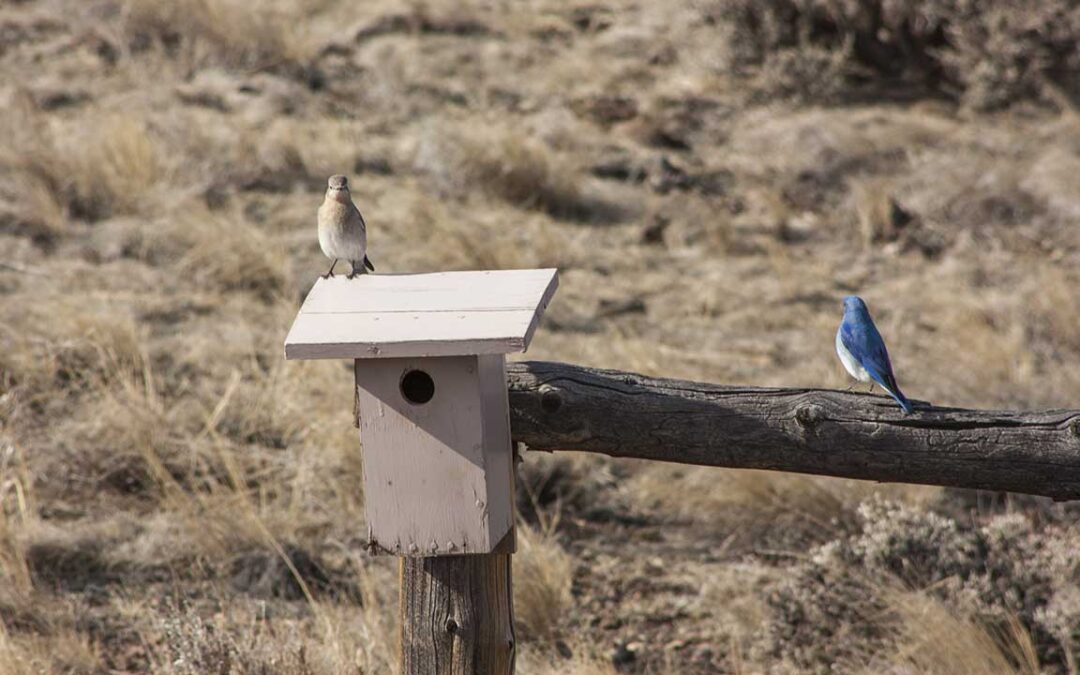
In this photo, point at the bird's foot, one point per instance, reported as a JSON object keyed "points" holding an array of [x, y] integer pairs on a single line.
{"points": [[350, 275]]}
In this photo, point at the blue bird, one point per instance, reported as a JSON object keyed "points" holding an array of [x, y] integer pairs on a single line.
{"points": [[862, 351]]}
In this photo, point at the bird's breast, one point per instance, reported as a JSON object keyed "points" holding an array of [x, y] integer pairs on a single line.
{"points": [[340, 233], [851, 364]]}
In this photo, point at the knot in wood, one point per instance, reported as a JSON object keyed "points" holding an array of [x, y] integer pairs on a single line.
{"points": [[550, 399], [1074, 427], [451, 626], [809, 415]]}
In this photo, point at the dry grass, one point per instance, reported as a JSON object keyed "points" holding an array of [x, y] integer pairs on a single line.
{"points": [[175, 498], [218, 251], [760, 508], [580, 663], [543, 572], [64, 342], [233, 32], [334, 640], [100, 166], [509, 165], [933, 639], [68, 651]]}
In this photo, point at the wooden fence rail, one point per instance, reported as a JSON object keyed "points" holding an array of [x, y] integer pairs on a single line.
{"points": [[558, 406]]}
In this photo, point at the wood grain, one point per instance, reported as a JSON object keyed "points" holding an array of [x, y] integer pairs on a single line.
{"points": [[558, 406], [457, 615]]}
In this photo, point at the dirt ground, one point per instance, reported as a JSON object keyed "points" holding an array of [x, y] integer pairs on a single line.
{"points": [[176, 498]]}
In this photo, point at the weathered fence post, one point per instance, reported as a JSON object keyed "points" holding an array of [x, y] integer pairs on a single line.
{"points": [[432, 407], [457, 615]]}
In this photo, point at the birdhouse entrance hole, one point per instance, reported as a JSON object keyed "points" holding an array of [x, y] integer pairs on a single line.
{"points": [[417, 387]]}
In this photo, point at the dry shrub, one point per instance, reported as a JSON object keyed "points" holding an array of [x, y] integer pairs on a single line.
{"points": [[216, 250], [477, 234], [1001, 52], [284, 154], [31, 171], [262, 409], [1000, 354], [573, 483], [113, 164], [37, 627], [734, 594], [230, 254], [508, 164], [1051, 176], [14, 567], [101, 165], [932, 638], [581, 662], [762, 508], [337, 639], [841, 604], [128, 438], [810, 73], [979, 190], [989, 54], [1053, 316], [64, 342], [231, 31], [543, 572], [64, 651], [34, 208], [880, 216]]}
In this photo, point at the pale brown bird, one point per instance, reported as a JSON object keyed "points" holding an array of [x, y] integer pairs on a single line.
{"points": [[342, 231]]}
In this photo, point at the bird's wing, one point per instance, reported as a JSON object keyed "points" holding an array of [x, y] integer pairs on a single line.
{"points": [[865, 343], [361, 217]]}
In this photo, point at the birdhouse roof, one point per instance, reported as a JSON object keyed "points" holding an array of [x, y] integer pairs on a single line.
{"points": [[441, 314]]}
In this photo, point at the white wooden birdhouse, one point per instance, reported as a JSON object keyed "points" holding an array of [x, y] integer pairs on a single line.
{"points": [[431, 397]]}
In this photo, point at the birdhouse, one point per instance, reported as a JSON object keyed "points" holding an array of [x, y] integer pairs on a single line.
{"points": [[431, 397]]}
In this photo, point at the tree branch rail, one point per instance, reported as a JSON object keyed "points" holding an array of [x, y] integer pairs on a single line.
{"points": [[559, 406]]}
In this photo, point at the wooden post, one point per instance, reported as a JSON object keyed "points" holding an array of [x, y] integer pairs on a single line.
{"points": [[457, 615]]}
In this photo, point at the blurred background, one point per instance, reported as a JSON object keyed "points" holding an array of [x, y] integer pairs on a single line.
{"points": [[711, 177]]}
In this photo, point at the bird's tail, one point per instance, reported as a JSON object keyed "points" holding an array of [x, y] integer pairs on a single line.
{"points": [[905, 404]]}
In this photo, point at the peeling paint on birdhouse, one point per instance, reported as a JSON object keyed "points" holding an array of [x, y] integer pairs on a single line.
{"points": [[431, 397]]}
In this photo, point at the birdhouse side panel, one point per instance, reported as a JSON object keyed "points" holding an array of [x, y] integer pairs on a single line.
{"points": [[425, 469], [498, 450]]}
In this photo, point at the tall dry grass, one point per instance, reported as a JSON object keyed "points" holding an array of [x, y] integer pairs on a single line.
{"points": [[91, 168], [934, 639], [508, 165], [543, 572], [237, 33]]}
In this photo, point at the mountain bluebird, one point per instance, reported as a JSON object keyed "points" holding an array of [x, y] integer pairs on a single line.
{"points": [[862, 351], [342, 231]]}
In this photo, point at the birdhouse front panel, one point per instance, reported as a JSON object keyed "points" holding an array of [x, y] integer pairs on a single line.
{"points": [[437, 457]]}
